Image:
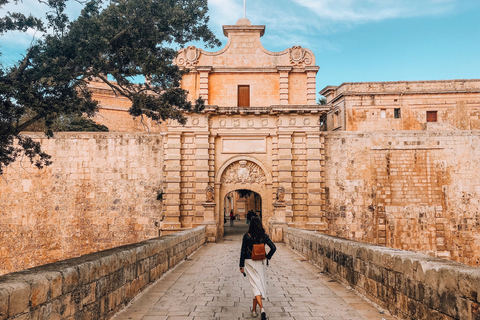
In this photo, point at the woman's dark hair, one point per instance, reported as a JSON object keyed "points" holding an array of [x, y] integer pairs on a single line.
{"points": [[256, 229]]}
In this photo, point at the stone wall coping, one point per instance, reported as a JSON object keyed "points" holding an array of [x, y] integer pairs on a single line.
{"points": [[418, 278], [91, 135], [85, 286]]}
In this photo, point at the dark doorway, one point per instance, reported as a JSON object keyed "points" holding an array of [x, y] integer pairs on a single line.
{"points": [[240, 202]]}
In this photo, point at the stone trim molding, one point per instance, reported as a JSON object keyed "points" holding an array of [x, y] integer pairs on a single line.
{"points": [[93, 286], [410, 285]]}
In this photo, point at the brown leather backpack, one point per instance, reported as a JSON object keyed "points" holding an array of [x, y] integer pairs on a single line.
{"points": [[258, 251]]}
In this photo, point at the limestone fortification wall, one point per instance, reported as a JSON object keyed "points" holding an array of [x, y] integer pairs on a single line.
{"points": [[99, 193], [94, 286], [410, 285], [410, 190]]}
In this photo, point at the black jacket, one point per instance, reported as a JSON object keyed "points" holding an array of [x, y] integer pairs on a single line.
{"points": [[247, 246]]}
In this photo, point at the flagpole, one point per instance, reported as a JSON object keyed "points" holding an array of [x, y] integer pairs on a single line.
{"points": [[244, 8]]}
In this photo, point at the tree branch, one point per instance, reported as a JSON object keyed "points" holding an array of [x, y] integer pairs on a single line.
{"points": [[117, 88], [14, 75], [27, 123]]}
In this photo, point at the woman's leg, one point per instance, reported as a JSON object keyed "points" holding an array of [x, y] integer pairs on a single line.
{"points": [[258, 300], [254, 304]]}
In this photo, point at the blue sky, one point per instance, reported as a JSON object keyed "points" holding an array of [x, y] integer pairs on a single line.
{"points": [[353, 40], [369, 40]]}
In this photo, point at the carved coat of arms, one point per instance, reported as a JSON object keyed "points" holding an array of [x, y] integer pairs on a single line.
{"points": [[244, 172]]}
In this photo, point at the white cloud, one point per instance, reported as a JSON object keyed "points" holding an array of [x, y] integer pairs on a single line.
{"points": [[375, 10]]}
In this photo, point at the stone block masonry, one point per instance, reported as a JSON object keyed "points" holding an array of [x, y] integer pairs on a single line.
{"points": [[408, 190], [410, 285], [100, 192], [94, 286]]}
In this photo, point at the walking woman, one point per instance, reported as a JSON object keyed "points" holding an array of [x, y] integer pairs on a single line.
{"points": [[255, 269]]}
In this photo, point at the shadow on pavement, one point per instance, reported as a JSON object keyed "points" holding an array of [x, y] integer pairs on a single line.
{"points": [[236, 232]]}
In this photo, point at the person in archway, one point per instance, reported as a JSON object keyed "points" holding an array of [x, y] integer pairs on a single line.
{"points": [[232, 217], [255, 269], [249, 216]]}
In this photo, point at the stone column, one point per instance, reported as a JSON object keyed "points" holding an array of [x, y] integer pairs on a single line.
{"points": [[203, 89], [311, 85], [171, 220], [283, 85], [315, 214]]}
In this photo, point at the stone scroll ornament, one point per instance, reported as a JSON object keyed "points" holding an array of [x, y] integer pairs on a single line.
{"points": [[209, 193], [243, 172], [299, 56], [188, 57]]}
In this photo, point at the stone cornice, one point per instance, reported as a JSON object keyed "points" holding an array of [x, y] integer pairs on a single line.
{"points": [[275, 109], [402, 88]]}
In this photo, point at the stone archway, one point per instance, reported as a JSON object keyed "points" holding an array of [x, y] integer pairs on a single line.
{"points": [[243, 172]]}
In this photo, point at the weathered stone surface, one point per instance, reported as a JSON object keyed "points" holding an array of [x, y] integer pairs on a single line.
{"points": [[99, 193], [442, 290], [370, 106], [78, 291], [406, 190]]}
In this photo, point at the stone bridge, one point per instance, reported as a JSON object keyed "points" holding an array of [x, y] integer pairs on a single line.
{"points": [[99, 285]]}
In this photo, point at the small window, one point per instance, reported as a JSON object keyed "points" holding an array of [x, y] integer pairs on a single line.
{"points": [[431, 116], [397, 114], [244, 96], [383, 113]]}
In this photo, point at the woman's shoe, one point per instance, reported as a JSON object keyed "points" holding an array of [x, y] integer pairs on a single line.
{"points": [[264, 316], [254, 313]]}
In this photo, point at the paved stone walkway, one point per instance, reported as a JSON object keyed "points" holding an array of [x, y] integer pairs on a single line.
{"points": [[208, 286]]}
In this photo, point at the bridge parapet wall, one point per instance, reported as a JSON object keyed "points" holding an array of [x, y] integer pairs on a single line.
{"points": [[93, 286], [410, 285]]}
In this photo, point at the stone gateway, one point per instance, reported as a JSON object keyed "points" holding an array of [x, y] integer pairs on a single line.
{"points": [[261, 145], [260, 126]]}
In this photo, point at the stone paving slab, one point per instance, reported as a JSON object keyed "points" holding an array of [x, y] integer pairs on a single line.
{"points": [[208, 286]]}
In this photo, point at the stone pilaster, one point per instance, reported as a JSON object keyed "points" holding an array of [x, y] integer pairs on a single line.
{"points": [[311, 85], [283, 84], [201, 175], [285, 171], [203, 89], [172, 171], [315, 214]]}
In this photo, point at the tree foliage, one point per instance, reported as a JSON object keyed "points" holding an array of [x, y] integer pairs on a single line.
{"points": [[114, 42]]}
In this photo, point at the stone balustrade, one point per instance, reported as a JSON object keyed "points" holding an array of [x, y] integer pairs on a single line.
{"points": [[93, 286], [410, 285]]}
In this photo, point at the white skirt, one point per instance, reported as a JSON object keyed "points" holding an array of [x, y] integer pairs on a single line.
{"points": [[255, 271]]}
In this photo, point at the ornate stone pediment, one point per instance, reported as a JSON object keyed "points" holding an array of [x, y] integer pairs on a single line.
{"points": [[299, 56], [188, 57], [244, 172]]}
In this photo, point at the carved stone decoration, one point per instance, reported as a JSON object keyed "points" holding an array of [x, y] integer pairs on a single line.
{"points": [[281, 194], [250, 122], [195, 121], [306, 121], [188, 57], [236, 122], [264, 122], [292, 121], [299, 56], [223, 123], [244, 172], [209, 193]]}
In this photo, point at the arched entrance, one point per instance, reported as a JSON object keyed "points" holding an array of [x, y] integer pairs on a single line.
{"points": [[241, 202], [243, 173]]}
